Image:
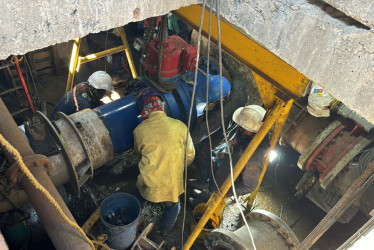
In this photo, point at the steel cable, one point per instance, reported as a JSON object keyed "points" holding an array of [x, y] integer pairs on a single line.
{"points": [[223, 122], [190, 117], [207, 99]]}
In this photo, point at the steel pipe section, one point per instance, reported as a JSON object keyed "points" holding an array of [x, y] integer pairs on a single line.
{"points": [[61, 233], [268, 232], [89, 139], [122, 116]]}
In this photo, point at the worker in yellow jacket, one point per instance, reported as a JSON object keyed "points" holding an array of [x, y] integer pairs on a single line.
{"points": [[161, 141]]}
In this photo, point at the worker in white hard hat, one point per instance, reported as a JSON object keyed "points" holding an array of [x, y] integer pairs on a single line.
{"points": [[248, 121], [85, 95]]}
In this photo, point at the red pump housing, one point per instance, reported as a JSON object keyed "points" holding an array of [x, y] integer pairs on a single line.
{"points": [[177, 56]]}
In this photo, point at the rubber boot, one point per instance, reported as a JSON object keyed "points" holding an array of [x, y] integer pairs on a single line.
{"points": [[169, 217]]}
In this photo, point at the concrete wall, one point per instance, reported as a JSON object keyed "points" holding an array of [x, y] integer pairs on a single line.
{"points": [[29, 25], [325, 45], [360, 10]]}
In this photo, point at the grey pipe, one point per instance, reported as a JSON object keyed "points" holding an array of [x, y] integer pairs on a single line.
{"points": [[343, 110]]}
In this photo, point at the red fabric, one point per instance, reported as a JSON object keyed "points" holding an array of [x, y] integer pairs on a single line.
{"points": [[152, 103]]}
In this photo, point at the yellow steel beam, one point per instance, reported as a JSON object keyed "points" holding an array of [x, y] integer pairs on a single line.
{"points": [[269, 70], [128, 52], [273, 142], [76, 60], [216, 198], [73, 63], [101, 54]]}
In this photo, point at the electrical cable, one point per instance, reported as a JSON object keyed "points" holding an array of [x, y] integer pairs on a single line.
{"points": [[223, 121], [37, 81], [190, 117], [106, 40], [28, 85], [207, 99], [33, 80], [35, 183]]}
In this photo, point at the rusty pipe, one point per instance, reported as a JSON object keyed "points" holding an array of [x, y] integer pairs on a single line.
{"points": [[10, 131], [61, 234], [301, 129], [362, 182]]}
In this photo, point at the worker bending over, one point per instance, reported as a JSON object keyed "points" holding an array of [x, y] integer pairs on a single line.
{"points": [[161, 141], [248, 120], [85, 95]]}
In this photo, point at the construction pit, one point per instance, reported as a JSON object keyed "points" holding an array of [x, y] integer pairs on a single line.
{"points": [[317, 190]]}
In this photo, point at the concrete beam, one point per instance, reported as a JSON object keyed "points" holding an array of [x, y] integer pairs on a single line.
{"points": [[30, 25], [334, 51], [360, 10], [331, 49]]}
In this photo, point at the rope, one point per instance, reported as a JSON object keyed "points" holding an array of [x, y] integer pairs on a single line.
{"points": [[103, 245], [13, 59], [223, 121], [190, 117], [33, 181], [207, 100]]}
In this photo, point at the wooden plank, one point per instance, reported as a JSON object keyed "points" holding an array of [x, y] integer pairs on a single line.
{"points": [[43, 65], [41, 55], [46, 71], [56, 59], [47, 59]]}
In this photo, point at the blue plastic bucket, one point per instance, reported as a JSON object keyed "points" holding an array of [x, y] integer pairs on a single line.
{"points": [[125, 206]]}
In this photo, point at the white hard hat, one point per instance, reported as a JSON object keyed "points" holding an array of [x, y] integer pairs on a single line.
{"points": [[101, 80], [249, 117]]}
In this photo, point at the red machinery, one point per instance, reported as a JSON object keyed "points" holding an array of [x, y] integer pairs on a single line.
{"points": [[177, 56], [328, 148]]}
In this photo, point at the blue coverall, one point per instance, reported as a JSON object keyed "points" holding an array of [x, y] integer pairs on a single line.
{"points": [[84, 100]]}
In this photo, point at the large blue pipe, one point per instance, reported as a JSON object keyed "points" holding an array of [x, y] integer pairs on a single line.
{"points": [[122, 116]]}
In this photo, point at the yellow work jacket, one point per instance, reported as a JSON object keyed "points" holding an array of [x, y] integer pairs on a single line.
{"points": [[161, 141]]}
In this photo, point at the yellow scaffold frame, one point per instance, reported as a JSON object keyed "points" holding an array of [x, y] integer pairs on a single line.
{"points": [[278, 83], [76, 60]]}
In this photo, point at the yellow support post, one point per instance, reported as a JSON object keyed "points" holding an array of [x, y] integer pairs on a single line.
{"points": [[128, 52], [216, 199], [273, 142], [73, 63], [76, 60]]}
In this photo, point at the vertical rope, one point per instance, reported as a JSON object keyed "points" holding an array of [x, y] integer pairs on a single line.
{"points": [[223, 122], [190, 117]]}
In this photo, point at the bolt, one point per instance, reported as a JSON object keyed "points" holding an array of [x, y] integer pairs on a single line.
{"points": [[78, 124]]}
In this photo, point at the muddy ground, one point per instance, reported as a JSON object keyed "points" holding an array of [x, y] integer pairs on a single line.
{"points": [[276, 196]]}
